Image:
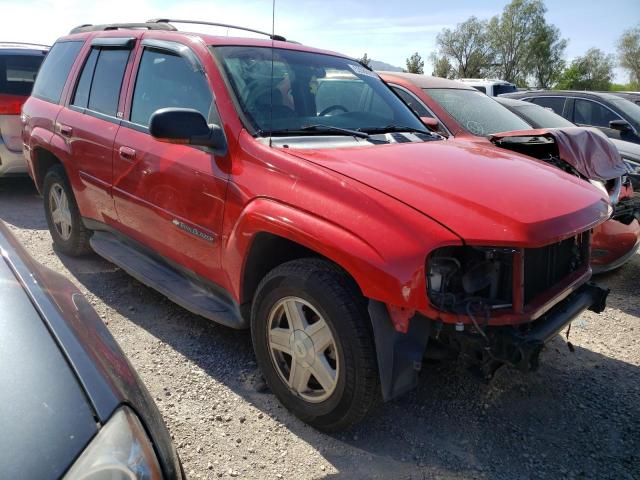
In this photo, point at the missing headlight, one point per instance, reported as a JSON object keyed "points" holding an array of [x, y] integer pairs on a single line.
{"points": [[460, 276]]}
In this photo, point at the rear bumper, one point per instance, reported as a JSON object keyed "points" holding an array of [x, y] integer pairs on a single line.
{"points": [[11, 163]]}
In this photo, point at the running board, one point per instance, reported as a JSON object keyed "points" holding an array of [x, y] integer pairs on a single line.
{"points": [[174, 285]]}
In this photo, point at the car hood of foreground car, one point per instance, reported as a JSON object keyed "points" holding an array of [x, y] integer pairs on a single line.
{"points": [[484, 194]]}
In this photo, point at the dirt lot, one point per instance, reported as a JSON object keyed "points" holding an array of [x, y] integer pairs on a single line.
{"points": [[577, 417]]}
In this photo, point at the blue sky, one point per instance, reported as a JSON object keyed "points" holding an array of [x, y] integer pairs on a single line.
{"points": [[386, 30]]}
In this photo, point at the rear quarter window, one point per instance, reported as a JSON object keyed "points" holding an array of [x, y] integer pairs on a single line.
{"points": [[55, 70], [18, 73]]}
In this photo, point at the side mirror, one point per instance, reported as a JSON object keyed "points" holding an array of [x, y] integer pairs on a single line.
{"points": [[188, 127], [620, 125], [430, 122]]}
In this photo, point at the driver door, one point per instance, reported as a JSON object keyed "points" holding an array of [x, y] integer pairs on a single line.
{"points": [[169, 197]]}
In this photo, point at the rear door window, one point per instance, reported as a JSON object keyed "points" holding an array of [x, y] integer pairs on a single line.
{"points": [[554, 103], [81, 95], [167, 80], [55, 70], [18, 73], [107, 80], [586, 112]]}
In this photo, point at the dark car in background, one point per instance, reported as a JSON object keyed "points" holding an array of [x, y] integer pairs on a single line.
{"points": [[631, 96], [19, 64], [70, 402], [615, 116]]}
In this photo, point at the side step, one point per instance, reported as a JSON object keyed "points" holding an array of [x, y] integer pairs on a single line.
{"points": [[159, 275]]}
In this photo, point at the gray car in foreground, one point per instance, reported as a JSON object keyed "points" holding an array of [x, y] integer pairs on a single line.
{"points": [[71, 405]]}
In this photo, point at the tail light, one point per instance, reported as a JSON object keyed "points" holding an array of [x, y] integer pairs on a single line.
{"points": [[11, 104]]}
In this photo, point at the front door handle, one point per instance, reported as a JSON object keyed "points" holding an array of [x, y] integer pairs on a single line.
{"points": [[127, 153], [66, 130]]}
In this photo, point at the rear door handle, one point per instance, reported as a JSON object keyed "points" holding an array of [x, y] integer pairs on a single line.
{"points": [[127, 153], [66, 130]]}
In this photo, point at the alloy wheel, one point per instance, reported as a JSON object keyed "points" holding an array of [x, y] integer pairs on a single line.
{"points": [[303, 349], [60, 212]]}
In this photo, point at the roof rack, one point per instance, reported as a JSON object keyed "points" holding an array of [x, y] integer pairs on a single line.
{"points": [[117, 26], [25, 44], [165, 21]]}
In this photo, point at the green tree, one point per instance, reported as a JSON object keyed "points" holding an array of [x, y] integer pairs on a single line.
{"points": [[593, 71], [466, 48], [511, 35], [365, 60], [441, 66], [629, 54], [546, 52], [415, 64]]}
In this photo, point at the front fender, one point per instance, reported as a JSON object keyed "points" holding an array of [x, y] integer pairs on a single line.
{"points": [[396, 278]]}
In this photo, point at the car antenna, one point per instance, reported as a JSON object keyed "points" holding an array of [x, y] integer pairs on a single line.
{"points": [[273, 30]]}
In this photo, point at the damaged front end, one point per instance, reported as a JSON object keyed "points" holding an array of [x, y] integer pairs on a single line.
{"points": [[496, 306], [508, 302]]}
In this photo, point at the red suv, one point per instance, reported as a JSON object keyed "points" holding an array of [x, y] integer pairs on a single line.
{"points": [[266, 184]]}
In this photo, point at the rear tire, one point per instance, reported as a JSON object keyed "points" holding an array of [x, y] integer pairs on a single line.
{"points": [[314, 342], [63, 217]]}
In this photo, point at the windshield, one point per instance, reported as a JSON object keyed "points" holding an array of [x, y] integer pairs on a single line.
{"points": [[302, 90], [630, 109], [540, 117], [475, 112]]}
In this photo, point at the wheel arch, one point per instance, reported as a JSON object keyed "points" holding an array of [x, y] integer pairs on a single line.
{"points": [[269, 233], [43, 160]]}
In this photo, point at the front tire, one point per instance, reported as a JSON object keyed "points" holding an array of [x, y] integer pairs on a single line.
{"points": [[314, 343], [63, 217]]}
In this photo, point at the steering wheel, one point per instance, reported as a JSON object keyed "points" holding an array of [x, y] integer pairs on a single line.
{"points": [[330, 108]]}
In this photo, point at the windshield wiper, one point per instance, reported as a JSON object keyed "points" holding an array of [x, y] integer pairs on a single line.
{"points": [[396, 128], [316, 129], [329, 128]]}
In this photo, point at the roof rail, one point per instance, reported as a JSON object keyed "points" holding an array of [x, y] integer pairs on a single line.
{"points": [[118, 26], [25, 44], [165, 21]]}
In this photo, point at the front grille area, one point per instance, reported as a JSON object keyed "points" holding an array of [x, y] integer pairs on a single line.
{"points": [[547, 266]]}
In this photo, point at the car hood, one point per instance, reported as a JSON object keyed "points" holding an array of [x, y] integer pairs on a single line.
{"points": [[45, 416], [486, 195]]}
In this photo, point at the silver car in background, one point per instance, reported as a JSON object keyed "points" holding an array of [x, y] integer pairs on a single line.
{"points": [[19, 64]]}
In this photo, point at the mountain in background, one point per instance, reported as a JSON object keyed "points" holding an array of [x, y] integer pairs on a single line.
{"points": [[382, 66]]}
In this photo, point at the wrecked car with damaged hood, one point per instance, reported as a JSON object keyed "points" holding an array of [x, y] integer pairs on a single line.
{"points": [[291, 191]]}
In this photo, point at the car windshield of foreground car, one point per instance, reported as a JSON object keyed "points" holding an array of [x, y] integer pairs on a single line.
{"points": [[288, 92], [540, 117], [475, 112], [630, 109]]}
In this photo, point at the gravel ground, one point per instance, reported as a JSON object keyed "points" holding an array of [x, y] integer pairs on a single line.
{"points": [[577, 417]]}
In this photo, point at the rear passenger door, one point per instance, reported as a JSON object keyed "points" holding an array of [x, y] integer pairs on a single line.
{"points": [[170, 197], [91, 121]]}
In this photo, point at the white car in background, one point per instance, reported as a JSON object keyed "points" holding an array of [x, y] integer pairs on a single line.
{"points": [[19, 65], [490, 86]]}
